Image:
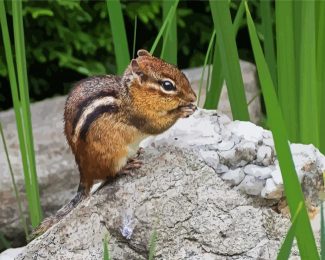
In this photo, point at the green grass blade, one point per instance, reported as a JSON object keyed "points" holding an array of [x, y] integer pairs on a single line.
{"points": [[119, 35], [230, 60], [170, 50], [19, 121], [294, 195], [207, 55], [134, 36], [18, 199], [152, 245], [287, 87], [285, 249], [267, 27], [320, 63], [36, 213], [322, 232], [213, 93], [4, 243], [106, 255], [167, 21], [239, 17], [308, 91]]}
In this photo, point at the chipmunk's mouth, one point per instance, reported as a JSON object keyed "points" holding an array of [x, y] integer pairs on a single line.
{"points": [[188, 105]]}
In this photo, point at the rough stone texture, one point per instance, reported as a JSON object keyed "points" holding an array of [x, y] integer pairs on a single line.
{"points": [[196, 216], [252, 90]]}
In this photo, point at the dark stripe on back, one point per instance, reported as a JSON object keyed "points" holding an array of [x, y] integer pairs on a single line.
{"points": [[92, 117], [85, 103]]}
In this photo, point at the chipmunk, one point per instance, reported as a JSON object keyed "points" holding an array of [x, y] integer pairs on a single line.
{"points": [[106, 117]]}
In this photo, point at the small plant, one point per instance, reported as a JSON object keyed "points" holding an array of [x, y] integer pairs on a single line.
{"points": [[106, 254]]}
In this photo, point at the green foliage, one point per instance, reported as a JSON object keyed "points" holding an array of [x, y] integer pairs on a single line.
{"points": [[106, 255], [152, 245], [230, 60], [294, 195], [117, 26], [20, 96], [285, 249]]}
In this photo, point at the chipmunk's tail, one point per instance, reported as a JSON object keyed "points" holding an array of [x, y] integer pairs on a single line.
{"points": [[60, 214]]}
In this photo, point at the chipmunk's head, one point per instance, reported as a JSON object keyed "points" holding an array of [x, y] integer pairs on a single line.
{"points": [[163, 86]]}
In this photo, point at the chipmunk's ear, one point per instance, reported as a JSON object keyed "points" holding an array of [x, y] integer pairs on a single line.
{"points": [[136, 70], [143, 52]]}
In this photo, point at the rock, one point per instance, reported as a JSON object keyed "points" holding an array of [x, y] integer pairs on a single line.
{"points": [[11, 253], [271, 190], [234, 177], [265, 155], [257, 171], [195, 214], [251, 185], [252, 90]]}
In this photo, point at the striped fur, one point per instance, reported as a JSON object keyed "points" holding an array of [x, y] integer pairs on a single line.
{"points": [[85, 103], [90, 113]]}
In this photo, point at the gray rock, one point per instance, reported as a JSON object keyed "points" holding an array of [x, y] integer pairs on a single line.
{"points": [[251, 185], [234, 177], [271, 190], [258, 172], [195, 214], [265, 155]]}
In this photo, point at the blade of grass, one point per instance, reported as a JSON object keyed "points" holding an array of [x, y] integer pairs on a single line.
{"points": [[119, 35], [106, 255], [152, 245], [4, 242], [294, 195], [170, 51], [320, 65], [267, 27], [134, 35], [18, 199], [26, 117], [287, 87], [168, 19], [213, 92], [17, 109], [308, 90], [207, 55], [322, 232], [285, 249], [229, 56]]}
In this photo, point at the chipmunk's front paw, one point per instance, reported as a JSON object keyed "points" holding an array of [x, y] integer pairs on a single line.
{"points": [[131, 165], [187, 110]]}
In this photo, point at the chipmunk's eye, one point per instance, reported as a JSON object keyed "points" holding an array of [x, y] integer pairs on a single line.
{"points": [[167, 85]]}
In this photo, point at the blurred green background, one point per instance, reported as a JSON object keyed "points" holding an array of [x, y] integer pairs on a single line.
{"points": [[70, 40]]}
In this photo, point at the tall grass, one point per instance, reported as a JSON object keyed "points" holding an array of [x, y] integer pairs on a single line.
{"points": [[117, 26], [294, 195], [170, 36], [20, 98], [165, 28], [286, 69], [229, 57], [214, 88]]}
